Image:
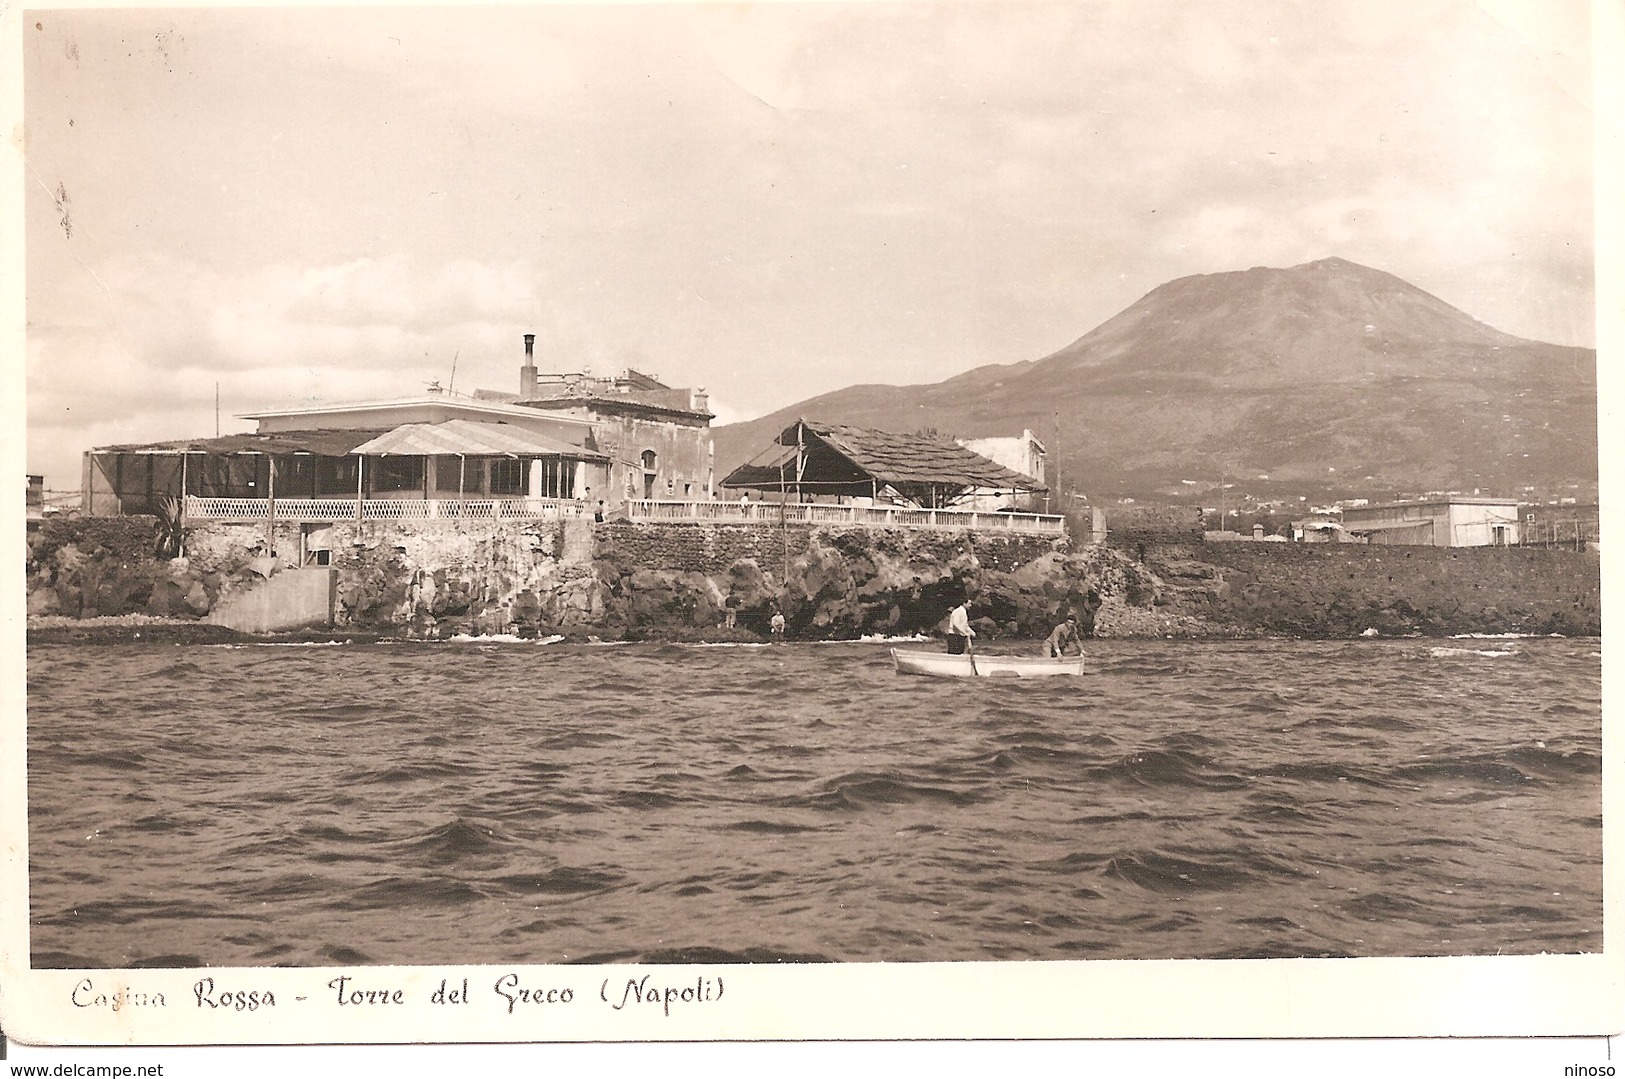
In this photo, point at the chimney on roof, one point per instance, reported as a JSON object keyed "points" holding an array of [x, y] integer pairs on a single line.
{"points": [[527, 373]]}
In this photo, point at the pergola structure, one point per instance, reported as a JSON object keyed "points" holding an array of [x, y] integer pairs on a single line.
{"points": [[811, 458], [453, 460]]}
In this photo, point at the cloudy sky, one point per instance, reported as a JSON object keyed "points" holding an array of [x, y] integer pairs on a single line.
{"points": [[767, 200]]}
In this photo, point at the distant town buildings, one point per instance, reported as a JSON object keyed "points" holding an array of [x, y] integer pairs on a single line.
{"points": [[1566, 524]]}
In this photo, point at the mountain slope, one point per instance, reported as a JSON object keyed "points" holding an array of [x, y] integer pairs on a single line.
{"points": [[1328, 377]]}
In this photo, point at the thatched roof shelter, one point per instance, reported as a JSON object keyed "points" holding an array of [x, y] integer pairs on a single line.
{"points": [[814, 458]]}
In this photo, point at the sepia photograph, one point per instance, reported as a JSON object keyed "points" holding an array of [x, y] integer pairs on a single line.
{"points": [[565, 508]]}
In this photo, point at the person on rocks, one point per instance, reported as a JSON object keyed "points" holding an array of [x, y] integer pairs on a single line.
{"points": [[959, 631], [775, 625], [1064, 640], [730, 610], [598, 514]]}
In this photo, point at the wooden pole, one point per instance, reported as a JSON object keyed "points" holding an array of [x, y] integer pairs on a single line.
{"points": [[180, 512], [360, 467], [801, 456], [270, 504], [784, 535]]}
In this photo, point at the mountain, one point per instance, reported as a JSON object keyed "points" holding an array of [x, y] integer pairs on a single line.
{"points": [[1330, 378]]}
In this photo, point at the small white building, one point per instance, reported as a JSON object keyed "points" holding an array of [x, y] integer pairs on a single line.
{"points": [[1025, 455], [1321, 528], [1451, 521]]}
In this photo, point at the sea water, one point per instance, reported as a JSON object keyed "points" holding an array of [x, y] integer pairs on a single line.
{"points": [[478, 802]]}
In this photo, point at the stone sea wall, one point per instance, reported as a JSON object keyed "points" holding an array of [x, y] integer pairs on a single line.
{"points": [[834, 582], [646, 579], [1341, 590]]}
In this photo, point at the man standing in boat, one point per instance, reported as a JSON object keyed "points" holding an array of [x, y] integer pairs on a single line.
{"points": [[1063, 639], [959, 631]]}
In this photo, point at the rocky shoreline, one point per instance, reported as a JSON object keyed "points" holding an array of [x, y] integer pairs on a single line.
{"points": [[100, 580]]}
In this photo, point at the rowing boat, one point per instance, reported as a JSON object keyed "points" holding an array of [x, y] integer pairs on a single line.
{"points": [[943, 665]]}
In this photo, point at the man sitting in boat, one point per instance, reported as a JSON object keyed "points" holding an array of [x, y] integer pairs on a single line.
{"points": [[1063, 639], [959, 631]]}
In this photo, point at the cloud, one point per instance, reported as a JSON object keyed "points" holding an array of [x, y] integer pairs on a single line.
{"points": [[363, 328], [774, 200]]}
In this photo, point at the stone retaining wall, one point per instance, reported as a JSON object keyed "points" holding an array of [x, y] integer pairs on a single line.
{"points": [[1336, 590], [661, 578]]}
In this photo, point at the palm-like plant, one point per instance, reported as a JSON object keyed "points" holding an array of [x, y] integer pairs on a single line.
{"points": [[171, 532]]}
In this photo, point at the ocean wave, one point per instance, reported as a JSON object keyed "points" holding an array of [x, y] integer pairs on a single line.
{"points": [[301, 644], [565, 880], [396, 892], [396, 774], [764, 827], [1492, 653], [1171, 768], [862, 790], [500, 638], [1156, 871], [454, 841]]}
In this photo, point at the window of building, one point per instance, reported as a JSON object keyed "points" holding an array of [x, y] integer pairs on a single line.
{"points": [[335, 477], [648, 460], [449, 475], [558, 477], [396, 474], [507, 476], [296, 475]]}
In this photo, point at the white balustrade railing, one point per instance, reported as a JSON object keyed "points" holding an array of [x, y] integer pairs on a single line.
{"points": [[382, 509], [515, 509], [825, 513]]}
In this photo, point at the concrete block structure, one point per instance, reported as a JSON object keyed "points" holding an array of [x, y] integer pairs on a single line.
{"points": [[1450, 521]]}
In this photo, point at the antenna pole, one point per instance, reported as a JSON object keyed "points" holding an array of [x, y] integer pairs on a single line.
{"points": [[217, 410], [452, 383], [1055, 455]]}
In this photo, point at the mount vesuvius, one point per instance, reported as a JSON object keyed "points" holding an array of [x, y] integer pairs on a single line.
{"points": [[1330, 378]]}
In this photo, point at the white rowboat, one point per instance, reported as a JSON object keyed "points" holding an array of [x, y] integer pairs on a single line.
{"points": [[943, 665]]}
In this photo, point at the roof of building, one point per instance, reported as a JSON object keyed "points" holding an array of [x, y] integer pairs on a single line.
{"points": [[467, 438], [457, 402], [842, 459], [453, 437], [1442, 500], [1026, 438], [1362, 527], [323, 443], [632, 400]]}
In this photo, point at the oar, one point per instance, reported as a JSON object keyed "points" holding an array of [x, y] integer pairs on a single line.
{"points": [[970, 648]]}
